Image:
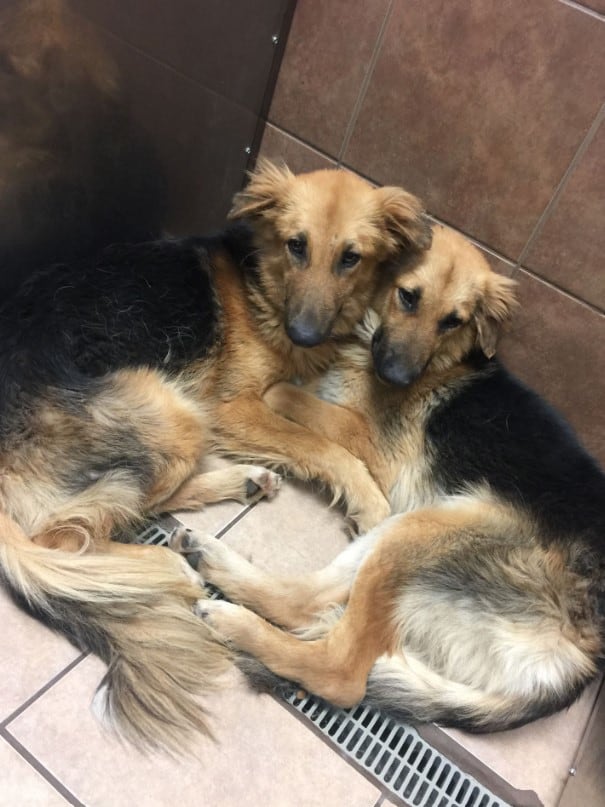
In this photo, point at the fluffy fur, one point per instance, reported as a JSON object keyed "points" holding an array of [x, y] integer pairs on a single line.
{"points": [[481, 605], [119, 373]]}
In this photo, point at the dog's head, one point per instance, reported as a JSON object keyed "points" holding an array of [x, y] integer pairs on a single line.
{"points": [[322, 238], [440, 307]]}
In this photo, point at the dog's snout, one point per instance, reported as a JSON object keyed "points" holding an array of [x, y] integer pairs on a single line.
{"points": [[395, 372], [305, 333], [392, 365]]}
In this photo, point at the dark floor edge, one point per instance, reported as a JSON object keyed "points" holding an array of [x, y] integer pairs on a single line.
{"points": [[38, 694], [39, 768]]}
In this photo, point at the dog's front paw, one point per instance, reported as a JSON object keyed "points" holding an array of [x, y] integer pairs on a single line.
{"points": [[259, 483], [231, 622]]}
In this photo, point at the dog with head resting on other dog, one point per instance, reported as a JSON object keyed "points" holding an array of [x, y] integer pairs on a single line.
{"points": [[481, 603], [118, 374]]}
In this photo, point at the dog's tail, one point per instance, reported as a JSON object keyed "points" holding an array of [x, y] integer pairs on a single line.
{"points": [[135, 614]]}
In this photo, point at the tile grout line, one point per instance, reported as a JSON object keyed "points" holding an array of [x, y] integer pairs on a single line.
{"points": [[35, 763], [554, 199], [365, 84], [235, 520], [591, 307], [308, 725], [584, 9], [38, 694]]}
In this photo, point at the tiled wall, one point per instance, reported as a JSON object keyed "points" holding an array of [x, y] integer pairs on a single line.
{"points": [[491, 111]]}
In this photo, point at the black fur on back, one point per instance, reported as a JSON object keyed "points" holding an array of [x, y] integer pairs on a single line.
{"points": [[494, 429], [133, 305]]}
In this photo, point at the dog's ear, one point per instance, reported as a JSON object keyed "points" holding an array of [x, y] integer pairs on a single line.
{"points": [[495, 307], [265, 190], [404, 219]]}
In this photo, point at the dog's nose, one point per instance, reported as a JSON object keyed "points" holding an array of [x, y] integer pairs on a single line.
{"points": [[305, 334], [393, 371]]}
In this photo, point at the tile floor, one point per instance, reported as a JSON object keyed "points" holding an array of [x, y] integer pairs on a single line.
{"points": [[53, 751]]}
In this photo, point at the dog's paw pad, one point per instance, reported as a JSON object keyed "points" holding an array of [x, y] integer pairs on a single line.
{"points": [[182, 539], [220, 616], [261, 484]]}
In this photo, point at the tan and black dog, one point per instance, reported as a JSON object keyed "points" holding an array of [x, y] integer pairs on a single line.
{"points": [[118, 374], [481, 606]]}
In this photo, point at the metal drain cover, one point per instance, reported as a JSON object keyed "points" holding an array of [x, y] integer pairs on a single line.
{"points": [[396, 755]]}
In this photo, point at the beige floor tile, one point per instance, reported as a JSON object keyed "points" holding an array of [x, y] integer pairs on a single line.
{"points": [[31, 655], [215, 516], [295, 532], [264, 755], [537, 756], [21, 785]]}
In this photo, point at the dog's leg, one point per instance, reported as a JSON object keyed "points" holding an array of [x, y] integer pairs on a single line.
{"points": [[248, 426], [244, 483], [336, 666], [349, 429], [289, 601]]}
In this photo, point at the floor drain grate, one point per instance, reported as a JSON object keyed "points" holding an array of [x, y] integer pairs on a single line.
{"points": [[392, 752], [396, 755]]}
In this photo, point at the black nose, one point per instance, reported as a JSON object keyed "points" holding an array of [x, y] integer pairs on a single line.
{"points": [[305, 334], [394, 372]]}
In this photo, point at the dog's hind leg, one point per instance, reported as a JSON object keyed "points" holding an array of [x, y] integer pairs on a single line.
{"points": [[244, 483], [336, 666], [292, 602]]}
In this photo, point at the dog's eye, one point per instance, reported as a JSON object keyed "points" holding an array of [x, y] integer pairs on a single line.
{"points": [[409, 299], [450, 322], [349, 259], [297, 247]]}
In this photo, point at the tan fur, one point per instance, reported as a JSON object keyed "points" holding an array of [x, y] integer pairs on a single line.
{"points": [[432, 645], [144, 436], [335, 211]]}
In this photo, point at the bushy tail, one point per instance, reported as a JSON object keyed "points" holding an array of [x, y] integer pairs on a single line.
{"points": [[135, 614]]}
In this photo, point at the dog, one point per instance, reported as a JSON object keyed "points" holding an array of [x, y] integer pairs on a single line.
{"points": [[480, 604], [119, 374]]}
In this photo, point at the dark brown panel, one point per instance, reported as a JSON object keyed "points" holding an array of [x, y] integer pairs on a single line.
{"points": [[226, 45], [76, 172], [479, 106], [557, 346], [199, 137], [328, 54], [570, 248], [280, 146]]}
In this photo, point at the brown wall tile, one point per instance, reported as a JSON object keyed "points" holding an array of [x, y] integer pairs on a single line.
{"points": [[280, 146], [479, 106], [570, 248], [557, 345], [328, 54]]}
